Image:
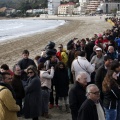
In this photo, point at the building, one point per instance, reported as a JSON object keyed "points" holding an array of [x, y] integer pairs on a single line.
{"points": [[109, 7], [105, 6], [53, 6], [66, 9]]}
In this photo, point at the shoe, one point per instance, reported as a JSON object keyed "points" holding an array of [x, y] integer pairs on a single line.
{"points": [[51, 106]]}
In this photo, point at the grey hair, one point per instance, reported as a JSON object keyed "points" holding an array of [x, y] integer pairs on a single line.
{"points": [[110, 47], [79, 75], [89, 86]]}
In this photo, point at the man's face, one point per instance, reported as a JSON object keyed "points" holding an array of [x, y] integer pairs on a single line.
{"points": [[8, 79], [25, 56], [53, 58], [108, 62], [98, 52], [17, 70], [94, 93], [111, 50], [83, 80]]}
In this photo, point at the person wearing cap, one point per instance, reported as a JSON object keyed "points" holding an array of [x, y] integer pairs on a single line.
{"points": [[101, 72], [98, 58]]}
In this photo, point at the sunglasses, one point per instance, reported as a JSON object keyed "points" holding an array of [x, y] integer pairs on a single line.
{"points": [[29, 72]]}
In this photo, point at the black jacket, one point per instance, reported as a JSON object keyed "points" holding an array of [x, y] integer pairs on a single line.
{"points": [[88, 111], [76, 98], [61, 82], [18, 87], [99, 77], [111, 97], [24, 63]]}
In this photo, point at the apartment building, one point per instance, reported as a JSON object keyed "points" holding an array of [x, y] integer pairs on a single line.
{"points": [[66, 9]]}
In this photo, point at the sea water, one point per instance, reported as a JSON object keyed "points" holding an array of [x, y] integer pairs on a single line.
{"points": [[14, 28]]}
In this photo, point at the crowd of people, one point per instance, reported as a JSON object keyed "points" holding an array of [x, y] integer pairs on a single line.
{"points": [[91, 65]]}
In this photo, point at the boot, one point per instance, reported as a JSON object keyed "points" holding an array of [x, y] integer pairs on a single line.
{"points": [[67, 108]]}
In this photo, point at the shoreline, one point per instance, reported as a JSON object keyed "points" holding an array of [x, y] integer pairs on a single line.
{"points": [[80, 27]]}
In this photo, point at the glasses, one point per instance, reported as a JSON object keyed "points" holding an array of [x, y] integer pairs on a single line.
{"points": [[29, 72], [95, 93]]}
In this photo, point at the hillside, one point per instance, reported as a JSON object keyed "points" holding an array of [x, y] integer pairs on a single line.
{"points": [[17, 3]]}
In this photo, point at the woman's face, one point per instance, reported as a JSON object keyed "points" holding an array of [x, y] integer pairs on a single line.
{"points": [[30, 73]]}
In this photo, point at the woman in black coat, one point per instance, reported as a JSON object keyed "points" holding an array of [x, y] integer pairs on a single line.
{"points": [[61, 83], [32, 103]]}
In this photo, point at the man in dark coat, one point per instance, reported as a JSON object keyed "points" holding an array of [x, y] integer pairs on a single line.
{"points": [[24, 63], [77, 94], [18, 87], [101, 72], [89, 48], [91, 109]]}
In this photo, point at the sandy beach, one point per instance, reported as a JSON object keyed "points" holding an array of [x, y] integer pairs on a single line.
{"points": [[80, 27]]}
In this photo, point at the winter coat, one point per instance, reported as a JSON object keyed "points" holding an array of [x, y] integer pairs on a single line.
{"points": [[61, 82], [8, 106], [89, 49], [82, 65], [45, 78], [32, 102], [62, 56], [99, 77], [88, 111], [18, 87], [111, 97], [98, 61], [76, 98]]}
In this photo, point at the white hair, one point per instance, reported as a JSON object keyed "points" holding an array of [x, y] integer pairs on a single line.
{"points": [[79, 75], [89, 86], [110, 47]]}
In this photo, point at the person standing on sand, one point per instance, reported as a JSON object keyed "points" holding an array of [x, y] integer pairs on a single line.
{"points": [[32, 101], [24, 63], [91, 108], [77, 94], [18, 87], [8, 106]]}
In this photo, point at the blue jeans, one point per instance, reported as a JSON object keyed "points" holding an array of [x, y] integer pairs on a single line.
{"points": [[111, 114], [118, 111], [45, 100]]}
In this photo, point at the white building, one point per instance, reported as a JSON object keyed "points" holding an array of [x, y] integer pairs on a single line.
{"points": [[108, 7], [66, 9], [53, 6]]}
